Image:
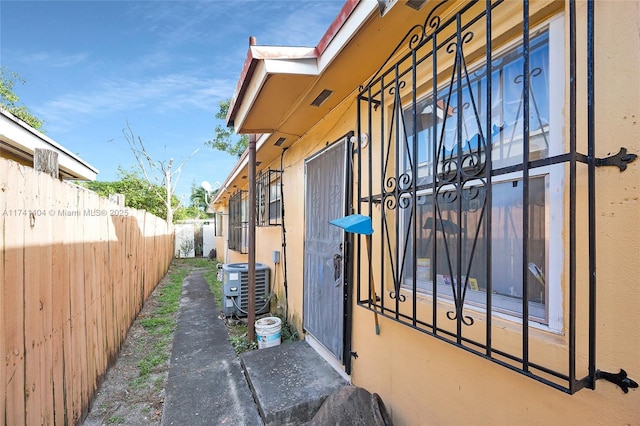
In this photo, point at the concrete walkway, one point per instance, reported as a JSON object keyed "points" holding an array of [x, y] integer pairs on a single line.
{"points": [[206, 385]]}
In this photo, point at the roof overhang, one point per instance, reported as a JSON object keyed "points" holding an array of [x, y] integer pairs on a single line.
{"points": [[279, 87], [276, 82], [21, 140], [278, 93], [239, 172]]}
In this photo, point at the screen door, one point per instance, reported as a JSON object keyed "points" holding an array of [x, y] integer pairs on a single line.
{"points": [[323, 249]]}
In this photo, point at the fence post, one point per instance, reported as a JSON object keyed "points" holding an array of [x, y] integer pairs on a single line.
{"points": [[45, 160]]}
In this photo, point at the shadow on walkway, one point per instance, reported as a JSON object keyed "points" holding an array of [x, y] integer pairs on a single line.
{"points": [[206, 385]]}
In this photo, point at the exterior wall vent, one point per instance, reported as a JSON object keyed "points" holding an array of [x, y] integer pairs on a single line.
{"points": [[322, 97], [416, 4]]}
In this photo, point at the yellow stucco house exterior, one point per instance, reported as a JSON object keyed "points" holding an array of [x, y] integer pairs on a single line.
{"points": [[488, 148]]}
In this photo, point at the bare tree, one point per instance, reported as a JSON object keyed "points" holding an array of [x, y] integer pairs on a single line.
{"points": [[157, 173]]}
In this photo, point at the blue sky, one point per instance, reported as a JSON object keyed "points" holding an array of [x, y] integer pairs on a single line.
{"points": [[162, 66]]}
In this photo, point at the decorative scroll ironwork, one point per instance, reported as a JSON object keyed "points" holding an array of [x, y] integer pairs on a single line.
{"points": [[459, 159], [414, 37]]}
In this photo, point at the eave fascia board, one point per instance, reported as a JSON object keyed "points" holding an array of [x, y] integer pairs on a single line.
{"points": [[16, 132], [282, 52], [250, 90], [292, 66], [358, 16]]}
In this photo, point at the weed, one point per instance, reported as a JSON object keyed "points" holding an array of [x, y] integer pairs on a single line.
{"points": [[156, 323], [116, 420], [240, 343], [159, 383], [288, 331], [211, 276], [139, 382], [238, 330]]}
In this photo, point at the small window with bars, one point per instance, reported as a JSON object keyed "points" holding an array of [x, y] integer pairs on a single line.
{"points": [[238, 221], [269, 198]]}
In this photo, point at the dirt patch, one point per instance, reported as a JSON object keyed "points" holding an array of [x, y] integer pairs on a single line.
{"points": [[125, 396]]}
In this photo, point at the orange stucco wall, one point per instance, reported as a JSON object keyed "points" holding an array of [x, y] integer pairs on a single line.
{"points": [[425, 381]]}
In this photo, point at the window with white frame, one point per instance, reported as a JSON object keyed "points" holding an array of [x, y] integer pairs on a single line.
{"points": [[453, 239], [219, 228]]}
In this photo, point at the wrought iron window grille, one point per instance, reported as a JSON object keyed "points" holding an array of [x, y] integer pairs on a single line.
{"points": [[427, 117], [269, 198], [238, 222]]}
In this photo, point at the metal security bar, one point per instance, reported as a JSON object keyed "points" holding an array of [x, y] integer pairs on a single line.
{"points": [[269, 198], [238, 222], [471, 183]]}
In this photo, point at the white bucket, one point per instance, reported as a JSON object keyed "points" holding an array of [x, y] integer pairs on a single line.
{"points": [[268, 332]]}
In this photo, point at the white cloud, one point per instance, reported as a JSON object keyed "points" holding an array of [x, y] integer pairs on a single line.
{"points": [[160, 94], [55, 60]]}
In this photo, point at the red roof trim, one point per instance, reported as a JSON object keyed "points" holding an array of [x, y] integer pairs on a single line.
{"points": [[250, 63], [335, 26]]}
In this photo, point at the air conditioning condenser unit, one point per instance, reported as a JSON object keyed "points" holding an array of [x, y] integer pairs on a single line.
{"points": [[235, 289]]}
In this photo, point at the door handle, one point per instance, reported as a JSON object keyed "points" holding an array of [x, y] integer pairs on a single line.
{"points": [[337, 266]]}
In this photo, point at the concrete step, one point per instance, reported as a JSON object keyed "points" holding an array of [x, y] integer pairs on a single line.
{"points": [[289, 382]]}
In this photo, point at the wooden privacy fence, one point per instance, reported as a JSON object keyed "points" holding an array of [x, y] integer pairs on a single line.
{"points": [[75, 270]]}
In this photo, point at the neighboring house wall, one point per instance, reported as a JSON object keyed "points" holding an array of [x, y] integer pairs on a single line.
{"points": [[184, 240], [75, 270], [19, 141], [424, 380], [9, 156]]}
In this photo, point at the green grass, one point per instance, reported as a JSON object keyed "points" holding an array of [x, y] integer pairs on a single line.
{"points": [[211, 277], [161, 323], [157, 356], [197, 262]]}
